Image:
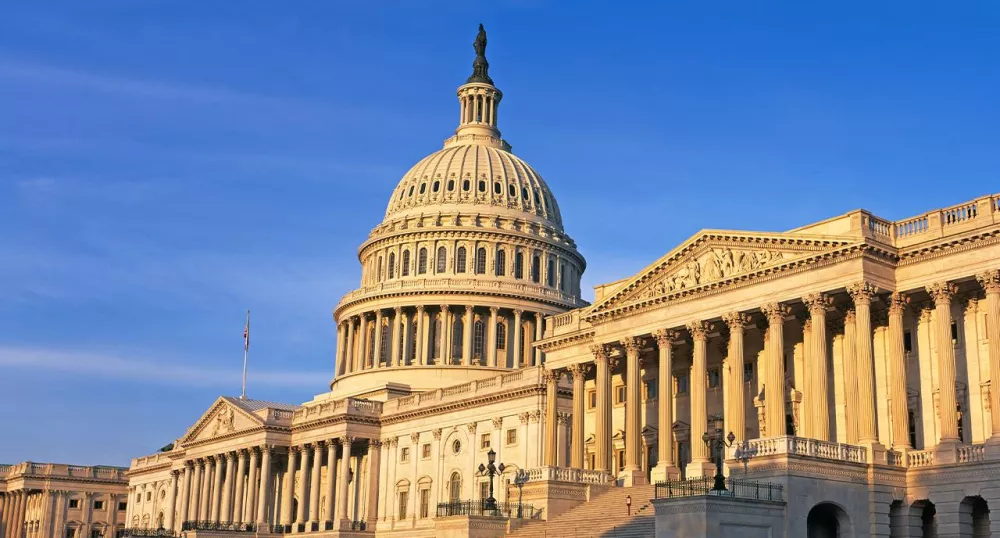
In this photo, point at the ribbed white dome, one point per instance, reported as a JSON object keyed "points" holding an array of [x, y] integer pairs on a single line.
{"points": [[462, 176]]}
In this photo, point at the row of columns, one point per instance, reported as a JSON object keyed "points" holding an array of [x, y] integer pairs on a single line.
{"points": [[224, 488], [356, 351], [771, 401], [13, 507], [308, 460]]}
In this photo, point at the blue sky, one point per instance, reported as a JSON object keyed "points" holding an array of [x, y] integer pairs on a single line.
{"points": [[165, 165]]}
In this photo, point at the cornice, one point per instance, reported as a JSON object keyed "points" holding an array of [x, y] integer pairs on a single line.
{"points": [[417, 292], [530, 390], [567, 340], [949, 245], [333, 420], [236, 434]]}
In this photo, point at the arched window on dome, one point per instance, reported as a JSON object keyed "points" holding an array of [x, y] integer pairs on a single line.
{"points": [[482, 186], [422, 261], [524, 195], [392, 265], [457, 338], [538, 201], [405, 269], [481, 261], [519, 265], [536, 267], [550, 279], [436, 322], [460, 260], [442, 260], [501, 262], [466, 185], [497, 188], [378, 274], [423, 188], [501, 335], [385, 338], [478, 340], [370, 352], [437, 186], [512, 190], [409, 194]]}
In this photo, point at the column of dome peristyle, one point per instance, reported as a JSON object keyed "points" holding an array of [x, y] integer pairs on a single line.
{"points": [[478, 104]]}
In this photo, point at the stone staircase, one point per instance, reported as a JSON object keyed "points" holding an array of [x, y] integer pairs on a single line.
{"points": [[602, 517]]}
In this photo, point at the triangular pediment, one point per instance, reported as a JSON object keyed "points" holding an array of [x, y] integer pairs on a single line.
{"points": [[221, 419], [711, 258]]}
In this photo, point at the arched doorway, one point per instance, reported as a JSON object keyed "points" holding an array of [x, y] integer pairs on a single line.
{"points": [[455, 487], [974, 517], [923, 519], [827, 520]]}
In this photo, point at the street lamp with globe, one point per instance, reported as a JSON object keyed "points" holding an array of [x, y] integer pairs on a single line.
{"points": [[718, 443], [491, 470]]}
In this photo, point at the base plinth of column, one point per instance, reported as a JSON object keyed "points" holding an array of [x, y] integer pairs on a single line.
{"points": [[876, 452], [698, 469], [993, 447], [633, 477], [946, 452], [662, 473]]}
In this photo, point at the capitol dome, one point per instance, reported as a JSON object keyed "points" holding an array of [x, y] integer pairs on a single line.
{"points": [[468, 261]]}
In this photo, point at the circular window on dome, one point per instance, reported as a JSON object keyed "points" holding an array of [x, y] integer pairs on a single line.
{"points": [[512, 191], [456, 446]]}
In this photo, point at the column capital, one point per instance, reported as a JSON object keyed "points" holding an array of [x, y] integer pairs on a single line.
{"points": [[736, 320], [862, 292], [266, 448], [379, 314], [817, 302], [578, 370], [366, 316], [375, 443], [666, 337], [398, 310], [632, 344], [346, 440], [420, 309], [444, 308], [971, 304], [897, 303], [850, 316], [942, 292], [699, 330], [231, 456], [552, 375], [494, 310], [415, 437], [600, 352], [436, 433], [468, 308], [990, 280], [775, 312], [564, 417]]}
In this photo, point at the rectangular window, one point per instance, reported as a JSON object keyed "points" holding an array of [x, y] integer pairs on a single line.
{"points": [[484, 490], [404, 454], [70, 533], [592, 458], [747, 372], [681, 384], [913, 428], [907, 341], [74, 503], [714, 378], [149, 495], [511, 436], [425, 502], [621, 459], [98, 505], [123, 505], [404, 499], [96, 533], [484, 441], [620, 394], [591, 399], [138, 497], [651, 389], [954, 333], [425, 451]]}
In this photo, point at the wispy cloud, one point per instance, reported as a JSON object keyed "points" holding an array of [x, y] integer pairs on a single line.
{"points": [[161, 371]]}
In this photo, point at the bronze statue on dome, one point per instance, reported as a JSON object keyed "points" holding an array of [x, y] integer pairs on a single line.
{"points": [[480, 67]]}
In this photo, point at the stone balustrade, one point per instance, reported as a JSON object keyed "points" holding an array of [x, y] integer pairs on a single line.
{"points": [[800, 446], [55, 470], [971, 453], [566, 474], [348, 406], [481, 387], [484, 284], [920, 458], [938, 223]]}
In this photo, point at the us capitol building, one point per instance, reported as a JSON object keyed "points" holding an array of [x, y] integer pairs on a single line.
{"points": [[850, 359]]}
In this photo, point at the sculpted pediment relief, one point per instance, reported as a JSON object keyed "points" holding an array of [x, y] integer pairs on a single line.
{"points": [[709, 259], [221, 419]]}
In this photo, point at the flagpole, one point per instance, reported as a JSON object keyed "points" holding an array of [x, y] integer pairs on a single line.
{"points": [[246, 349]]}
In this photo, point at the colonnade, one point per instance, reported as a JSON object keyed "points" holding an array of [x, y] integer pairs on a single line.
{"points": [[440, 334], [772, 398], [230, 488], [13, 507]]}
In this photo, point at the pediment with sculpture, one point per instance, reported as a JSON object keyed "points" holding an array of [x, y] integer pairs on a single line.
{"points": [[711, 258], [221, 419]]}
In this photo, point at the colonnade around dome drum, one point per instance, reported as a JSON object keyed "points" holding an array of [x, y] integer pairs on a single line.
{"points": [[439, 335]]}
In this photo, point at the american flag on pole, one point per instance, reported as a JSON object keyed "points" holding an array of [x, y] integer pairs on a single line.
{"points": [[246, 333]]}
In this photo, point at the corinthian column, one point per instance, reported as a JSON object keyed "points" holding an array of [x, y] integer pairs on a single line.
{"points": [[897, 372], [862, 294], [264, 494], [579, 393], [446, 328], [551, 431], [990, 281], [286, 487], [467, 336], [204, 500], [421, 339], [395, 358], [226, 513], [850, 375], [665, 468], [701, 463], [491, 345], [362, 360], [184, 498], [942, 293], [737, 322], [249, 504], [819, 382], [774, 384], [345, 467], [194, 510], [168, 517], [300, 516], [235, 514], [633, 430], [602, 430], [317, 462], [349, 347], [331, 477], [518, 340], [376, 362]]}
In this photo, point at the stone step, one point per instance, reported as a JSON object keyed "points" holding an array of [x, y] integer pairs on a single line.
{"points": [[604, 516]]}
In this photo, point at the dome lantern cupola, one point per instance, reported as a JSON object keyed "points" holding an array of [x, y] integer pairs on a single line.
{"points": [[478, 102]]}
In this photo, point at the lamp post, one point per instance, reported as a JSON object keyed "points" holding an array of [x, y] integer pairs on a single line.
{"points": [[717, 442], [519, 480], [491, 470]]}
